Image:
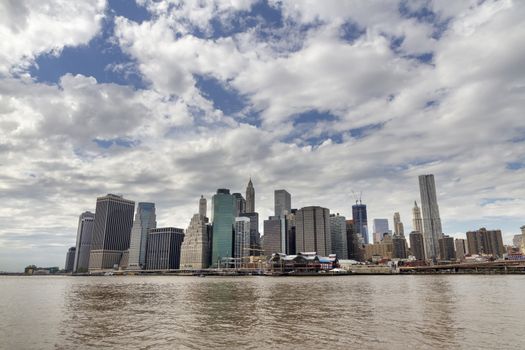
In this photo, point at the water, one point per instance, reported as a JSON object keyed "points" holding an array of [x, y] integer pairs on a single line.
{"points": [[170, 312]]}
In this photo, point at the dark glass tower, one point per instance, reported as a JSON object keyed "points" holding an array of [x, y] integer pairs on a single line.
{"points": [[360, 220], [223, 220]]}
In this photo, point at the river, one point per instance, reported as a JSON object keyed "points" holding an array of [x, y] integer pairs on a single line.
{"points": [[341, 312]]}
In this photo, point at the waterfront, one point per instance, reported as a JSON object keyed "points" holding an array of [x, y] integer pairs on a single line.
{"points": [[372, 312]]}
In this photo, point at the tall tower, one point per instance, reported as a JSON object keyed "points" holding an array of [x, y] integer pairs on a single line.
{"points": [[417, 222], [432, 230], [282, 202], [203, 207], [360, 220], [145, 219], [250, 197], [111, 231], [399, 229], [223, 220], [84, 236], [312, 225]]}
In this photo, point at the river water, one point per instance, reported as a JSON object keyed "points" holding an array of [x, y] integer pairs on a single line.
{"points": [[342, 312]]}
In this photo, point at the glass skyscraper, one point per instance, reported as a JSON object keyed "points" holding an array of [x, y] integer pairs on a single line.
{"points": [[223, 220], [360, 220], [145, 219], [432, 231], [84, 236]]}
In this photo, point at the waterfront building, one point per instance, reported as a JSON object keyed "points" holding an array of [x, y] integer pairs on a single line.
{"points": [[242, 239], [399, 247], [338, 236], [380, 228], [203, 207], [196, 247], [223, 208], [485, 241], [383, 249], [432, 231], [354, 242], [70, 259], [274, 239], [145, 219], [164, 247], [399, 229], [460, 249], [83, 246], [446, 248], [282, 202], [240, 204], [360, 220], [111, 231], [250, 197], [417, 245], [417, 221], [255, 244], [312, 230]]}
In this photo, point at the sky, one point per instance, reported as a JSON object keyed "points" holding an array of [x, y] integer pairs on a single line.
{"points": [[163, 101]]}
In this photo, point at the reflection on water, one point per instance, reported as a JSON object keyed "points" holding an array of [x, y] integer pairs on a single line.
{"points": [[152, 312]]}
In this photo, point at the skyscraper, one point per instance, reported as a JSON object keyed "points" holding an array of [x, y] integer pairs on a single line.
{"points": [[111, 231], [250, 198], [240, 204], [417, 245], [353, 241], [360, 220], [399, 229], [83, 246], [446, 248], [312, 230], [338, 236], [70, 259], [203, 208], [380, 227], [485, 241], [460, 249], [282, 202], [196, 247], [242, 238], [145, 219], [274, 235], [399, 247], [432, 231], [223, 220], [417, 221], [254, 232], [163, 251]]}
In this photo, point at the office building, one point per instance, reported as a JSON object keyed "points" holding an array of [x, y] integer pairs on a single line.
{"points": [[282, 202], [255, 244], [446, 248], [290, 232], [250, 197], [70, 259], [164, 247], [111, 231], [380, 250], [145, 219], [196, 247], [241, 249], [417, 220], [312, 230], [240, 204], [485, 241], [223, 208], [338, 236], [399, 229], [203, 207], [353, 242], [432, 231], [417, 245], [380, 228], [399, 247], [360, 220], [516, 241], [274, 235], [83, 246], [460, 249]]}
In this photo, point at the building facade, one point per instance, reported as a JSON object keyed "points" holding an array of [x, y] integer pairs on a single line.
{"points": [[242, 239], [399, 247], [460, 249], [84, 237], [338, 236], [282, 202], [111, 231], [417, 220], [485, 241], [145, 219], [70, 259], [312, 232], [399, 229], [223, 220], [250, 197], [417, 245], [446, 248], [432, 230], [353, 243], [380, 228], [164, 247], [359, 217], [274, 240], [203, 207], [196, 247], [239, 203]]}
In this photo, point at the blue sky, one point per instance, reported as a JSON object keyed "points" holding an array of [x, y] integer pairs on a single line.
{"points": [[163, 101]]}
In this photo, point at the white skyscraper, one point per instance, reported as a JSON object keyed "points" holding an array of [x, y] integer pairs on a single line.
{"points": [[144, 220], [242, 237], [432, 230]]}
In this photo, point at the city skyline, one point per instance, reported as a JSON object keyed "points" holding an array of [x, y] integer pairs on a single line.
{"points": [[286, 94]]}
